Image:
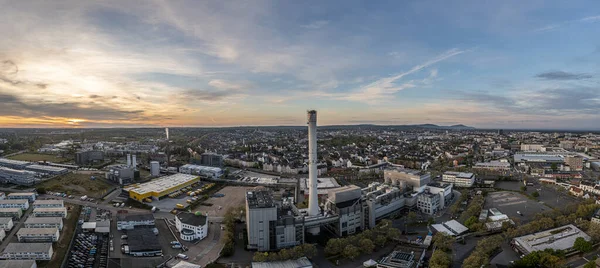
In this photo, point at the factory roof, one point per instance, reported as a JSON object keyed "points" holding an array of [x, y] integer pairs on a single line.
{"points": [[37, 231], [10, 210], [192, 219], [322, 183], [13, 162], [47, 168], [89, 225], [260, 199], [199, 167], [142, 239], [17, 263], [34, 220], [299, 263], [538, 158], [27, 247], [163, 183], [560, 238], [452, 228]]}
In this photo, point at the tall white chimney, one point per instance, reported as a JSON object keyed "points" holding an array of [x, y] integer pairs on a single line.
{"points": [[313, 202], [167, 132], [128, 160], [134, 161]]}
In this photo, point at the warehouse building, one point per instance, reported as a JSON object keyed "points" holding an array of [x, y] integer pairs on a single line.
{"points": [[129, 222], [451, 228], [191, 226], [29, 196], [14, 213], [561, 238], [48, 204], [44, 222], [50, 212], [28, 251], [6, 224], [18, 264], [16, 164], [19, 177], [143, 243], [38, 235], [14, 203], [161, 187], [202, 171], [47, 169]]}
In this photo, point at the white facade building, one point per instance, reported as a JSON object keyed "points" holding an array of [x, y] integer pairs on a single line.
{"points": [[460, 179], [50, 212], [21, 177], [44, 222], [191, 226], [29, 196], [6, 224], [14, 203], [48, 204], [38, 235]]}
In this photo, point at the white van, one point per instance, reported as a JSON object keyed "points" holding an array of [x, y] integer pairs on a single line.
{"points": [[182, 256]]}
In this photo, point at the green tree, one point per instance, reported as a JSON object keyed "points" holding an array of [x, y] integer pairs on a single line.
{"points": [[307, 250], [443, 241], [470, 221], [334, 246], [523, 188], [582, 245], [366, 246], [351, 252], [554, 167], [440, 259], [594, 231], [380, 240], [260, 256], [476, 260], [535, 194], [590, 264], [430, 221]]}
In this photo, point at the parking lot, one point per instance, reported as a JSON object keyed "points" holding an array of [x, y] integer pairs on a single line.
{"points": [[510, 202], [234, 197]]}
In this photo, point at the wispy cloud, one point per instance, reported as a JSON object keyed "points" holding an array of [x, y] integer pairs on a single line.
{"points": [[316, 24], [554, 26], [560, 75]]}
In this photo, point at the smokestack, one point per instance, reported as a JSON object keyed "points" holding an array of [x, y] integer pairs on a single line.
{"points": [[167, 132], [134, 161], [313, 202], [128, 160]]}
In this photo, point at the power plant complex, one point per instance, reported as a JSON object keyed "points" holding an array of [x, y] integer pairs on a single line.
{"points": [[273, 225]]}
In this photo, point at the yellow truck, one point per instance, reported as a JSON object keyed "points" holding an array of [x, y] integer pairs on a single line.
{"points": [[179, 206]]}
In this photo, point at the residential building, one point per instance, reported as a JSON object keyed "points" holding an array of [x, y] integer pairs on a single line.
{"points": [[574, 162], [129, 222], [14, 203], [414, 178], [191, 226], [533, 148], [576, 191], [29, 196], [38, 235], [89, 157], [20, 177], [501, 166], [460, 179], [48, 204], [6, 224], [561, 238], [50, 212], [14, 213], [596, 217], [18, 264], [28, 251], [44, 222]]}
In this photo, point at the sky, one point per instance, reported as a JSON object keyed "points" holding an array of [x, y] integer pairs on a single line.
{"points": [[487, 64]]}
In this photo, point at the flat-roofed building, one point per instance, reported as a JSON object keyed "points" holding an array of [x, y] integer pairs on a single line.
{"points": [[89, 157], [38, 235], [16, 164], [414, 178], [28, 251], [29, 196], [6, 224], [50, 212], [561, 238], [460, 179], [15, 203], [191, 226], [161, 187], [47, 169], [48, 204], [44, 222], [452, 228], [18, 264], [493, 165], [203, 171], [2, 234], [129, 222], [20, 177], [14, 213]]}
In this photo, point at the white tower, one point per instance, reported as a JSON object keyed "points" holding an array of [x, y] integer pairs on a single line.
{"points": [[167, 132], [134, 161], [128, 160], [313, 202]]}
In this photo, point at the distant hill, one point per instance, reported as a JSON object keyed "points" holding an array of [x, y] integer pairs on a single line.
{"points": [[433, 126]]}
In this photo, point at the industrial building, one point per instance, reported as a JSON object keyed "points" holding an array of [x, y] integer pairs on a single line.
{"points": [[143, 242], [129, 222], [121, 174], [161, 187], [18, 264], [202, 171], [191, 226], [48, 204], [44, 222], [50, 212], [211, 160], [16, 164], [85, 158], [460, 179], [414, 178], [561, 238], [451, 228], [20, 177], [14, 203], [493, 165], [538, 158], [38, 235], [28, 196], [28, 251], [6, 224], [154, 168], [428, 203], [47, 169], [403, 258], [14, 213]]}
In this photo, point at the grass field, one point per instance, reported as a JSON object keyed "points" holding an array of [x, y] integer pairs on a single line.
{"points": [[39, 157], [79, 184], [61, 248]]}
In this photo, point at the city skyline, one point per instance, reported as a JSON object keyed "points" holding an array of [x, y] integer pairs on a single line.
{"points": [[509, 64]]}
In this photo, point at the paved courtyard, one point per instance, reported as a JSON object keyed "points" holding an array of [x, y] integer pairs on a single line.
{"points": [[510, 202]]}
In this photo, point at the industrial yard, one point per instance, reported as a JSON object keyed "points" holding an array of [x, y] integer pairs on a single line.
{"points": [[79, 184]]}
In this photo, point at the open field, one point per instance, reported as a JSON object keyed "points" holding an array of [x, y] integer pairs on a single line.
{"points": [[39, 157], [235, 196], [79, 184], [62, 246]]}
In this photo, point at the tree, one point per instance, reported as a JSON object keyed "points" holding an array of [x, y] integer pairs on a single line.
{"points": [[351, 252], [380, 240], [535, 194], [582, 245], [307, 250], [590, 264], [366, 246], [430, 221], [554, 167], [440, 259], [334, 246], [470, 221], [523, 188], [594, 231], [260, 256], [476, 260], [393, 234], [443, 241], [412, 217]]}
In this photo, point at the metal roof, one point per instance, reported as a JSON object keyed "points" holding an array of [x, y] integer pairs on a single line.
{"points": [[299, 263]]}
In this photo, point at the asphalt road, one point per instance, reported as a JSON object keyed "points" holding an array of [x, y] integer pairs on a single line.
{"points": [[15, 229]]}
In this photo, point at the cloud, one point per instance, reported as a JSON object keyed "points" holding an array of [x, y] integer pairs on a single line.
{"points": [[560, 75], [316, 24], [554, 26], [223, 84]]}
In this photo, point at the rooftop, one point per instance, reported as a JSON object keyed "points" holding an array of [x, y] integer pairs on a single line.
{"points": [[299, 263], [260, 199], [45, 202], [17, 263], [452, 228], [5, 220], [50, 209], [192, 219], [135, 217], [27, 247], [14, 201], [47, 168], [37, 231], [13, 162], [163, 183], [20, 194], [560, 238], [16, 171], [142, 239], [459, 174], [33, 220]]}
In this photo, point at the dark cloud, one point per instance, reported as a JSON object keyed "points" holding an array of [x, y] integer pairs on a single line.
{"points": [[94, 96], [560, 75], [209, 95]]}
